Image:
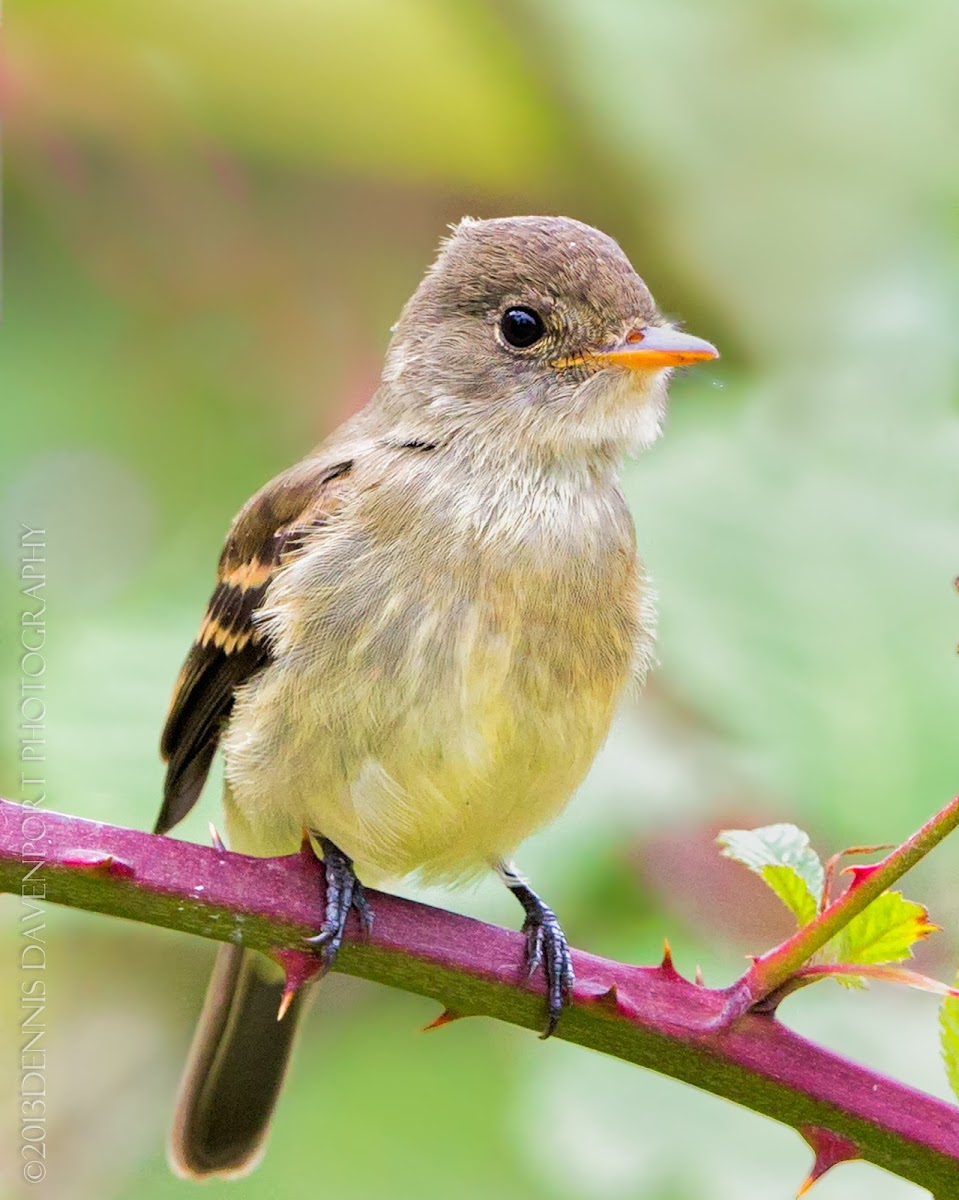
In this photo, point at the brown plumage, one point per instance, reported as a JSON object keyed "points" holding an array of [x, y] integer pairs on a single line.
{"points": [[229, 648], [420, 634]]}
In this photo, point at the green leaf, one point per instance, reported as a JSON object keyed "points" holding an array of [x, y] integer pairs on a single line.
{"points": [[884, 932], [949, 1039], [793, 891], [782, 856]]}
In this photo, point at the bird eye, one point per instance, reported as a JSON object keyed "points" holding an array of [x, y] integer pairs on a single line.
{"points": [[521, 327]]}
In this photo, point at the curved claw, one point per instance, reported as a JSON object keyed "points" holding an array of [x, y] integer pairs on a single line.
{"points": [[320, 939]]}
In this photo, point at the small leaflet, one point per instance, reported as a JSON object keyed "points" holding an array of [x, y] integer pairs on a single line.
{"points": [[783, 857]]}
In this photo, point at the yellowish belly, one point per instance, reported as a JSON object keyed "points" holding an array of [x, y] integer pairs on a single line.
{"points": [[439, 775], [465, 794]]}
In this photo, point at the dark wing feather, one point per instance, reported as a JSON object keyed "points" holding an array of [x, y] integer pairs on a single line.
{"points": [[229, 648]]}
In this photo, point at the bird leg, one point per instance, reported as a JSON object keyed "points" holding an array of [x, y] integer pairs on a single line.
{"points": [[546, 945], [343, 893]]}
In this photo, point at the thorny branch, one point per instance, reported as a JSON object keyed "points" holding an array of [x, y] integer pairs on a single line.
{"points": [[773, 970], [647, 1015]]}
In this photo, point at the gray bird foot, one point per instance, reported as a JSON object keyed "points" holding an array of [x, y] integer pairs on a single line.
{"points": [[546, 948], [344, 893]]}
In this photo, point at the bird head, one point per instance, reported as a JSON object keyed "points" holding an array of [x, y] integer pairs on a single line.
{"points": [[539, 330]]}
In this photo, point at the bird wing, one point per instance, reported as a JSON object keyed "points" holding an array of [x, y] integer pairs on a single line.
{"points": [[230, 647]]}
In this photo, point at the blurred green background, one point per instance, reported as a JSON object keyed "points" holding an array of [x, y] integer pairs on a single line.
{"points": [[214, 212]]}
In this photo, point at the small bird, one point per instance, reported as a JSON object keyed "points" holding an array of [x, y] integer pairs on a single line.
{"points": [[420, 633]]}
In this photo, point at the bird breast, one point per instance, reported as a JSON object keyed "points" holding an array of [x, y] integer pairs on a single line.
{"points": [[444, 671]]}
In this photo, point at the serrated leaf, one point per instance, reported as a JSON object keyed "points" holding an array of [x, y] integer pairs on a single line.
{"points": [[782, 856], [949, 1039], [884, 932]]}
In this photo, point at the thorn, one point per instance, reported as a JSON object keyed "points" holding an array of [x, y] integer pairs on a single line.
{"points": [[446, 1017], [698, 977], [609, 998], [666, 966], [299, 968], [91, 860], [215, 838], [285, 1001], [860, 873], [829, 1148], [593, 992], [833, 862]]}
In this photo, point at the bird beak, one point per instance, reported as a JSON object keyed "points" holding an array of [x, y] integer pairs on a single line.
{"points": [[654, 347]]}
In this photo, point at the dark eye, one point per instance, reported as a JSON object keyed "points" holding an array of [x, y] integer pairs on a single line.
{"points": [[521, 327]]}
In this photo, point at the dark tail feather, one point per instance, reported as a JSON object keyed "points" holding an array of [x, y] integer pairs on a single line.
{"points": [[235, 1070]]}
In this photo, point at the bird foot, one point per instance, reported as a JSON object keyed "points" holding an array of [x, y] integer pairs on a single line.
{"points": [[344, 893], [547, 948]]}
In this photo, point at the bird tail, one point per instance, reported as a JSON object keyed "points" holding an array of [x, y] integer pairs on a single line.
{"points": [[235, 1069]]}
